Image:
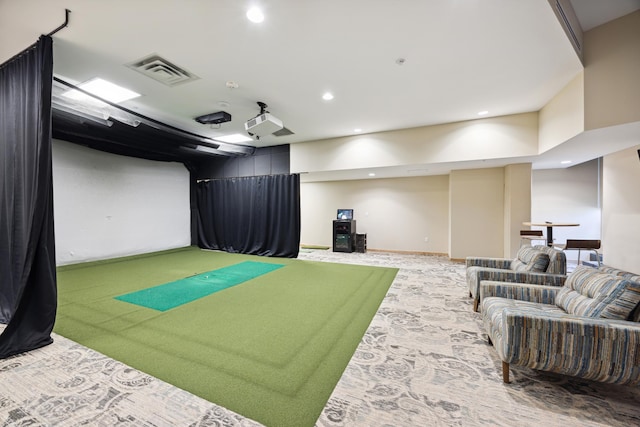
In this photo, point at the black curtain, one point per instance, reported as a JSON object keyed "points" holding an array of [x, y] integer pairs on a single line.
{"points": [[258, 215], [28, 297]]}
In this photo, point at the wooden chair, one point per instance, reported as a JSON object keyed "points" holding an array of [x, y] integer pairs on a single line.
{"points": [[583, 245], [531, 235]]}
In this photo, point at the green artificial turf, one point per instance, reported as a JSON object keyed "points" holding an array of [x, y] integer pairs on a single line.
{"points": [[173, 294], [320, 247], [271, 349]]}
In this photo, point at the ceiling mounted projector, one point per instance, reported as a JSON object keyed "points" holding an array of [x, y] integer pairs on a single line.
{"points": [[214, 118], [263, 124]]}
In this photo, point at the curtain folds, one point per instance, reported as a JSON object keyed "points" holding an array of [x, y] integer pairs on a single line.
{"points": [[257, 215], [28, 296]]}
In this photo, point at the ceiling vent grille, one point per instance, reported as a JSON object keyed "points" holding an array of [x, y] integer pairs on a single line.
{"points": [[161, 70], [285, 132], [569, 22]]}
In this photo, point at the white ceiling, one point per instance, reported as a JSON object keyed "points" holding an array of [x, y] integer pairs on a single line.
{"points": [[461, 57]]}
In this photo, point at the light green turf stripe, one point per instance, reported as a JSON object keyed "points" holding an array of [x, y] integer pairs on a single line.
{"points": [[174, 294]]}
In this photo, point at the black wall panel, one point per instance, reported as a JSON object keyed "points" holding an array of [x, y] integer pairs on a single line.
{"points": [[265, 161]]}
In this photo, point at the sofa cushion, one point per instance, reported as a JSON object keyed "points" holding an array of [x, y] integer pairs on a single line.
{"points": [[592, 293], [530, 259], [635, 314], [617, 272], [557, 259]]}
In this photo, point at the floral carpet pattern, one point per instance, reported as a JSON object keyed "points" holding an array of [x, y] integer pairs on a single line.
{"points": [[424, 361]]}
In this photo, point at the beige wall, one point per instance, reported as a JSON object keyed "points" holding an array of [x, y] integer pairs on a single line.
{"points": [[517, 205], [497, 137], [17, 36], [621, 210], [563, 117], [470, 212], [612, 70], [396, 214], [479, 211], [476, 204]]}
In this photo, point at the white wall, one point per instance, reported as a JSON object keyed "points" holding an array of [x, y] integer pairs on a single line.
{"points": [[568, 195], [621, 210], [396, 214], [107, 205]]}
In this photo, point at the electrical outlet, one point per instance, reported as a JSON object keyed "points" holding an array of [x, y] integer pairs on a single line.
{"points": [[426, 239]]}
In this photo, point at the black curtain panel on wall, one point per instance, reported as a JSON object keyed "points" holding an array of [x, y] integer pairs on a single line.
{"points": [[28, 297], [258, 215]]}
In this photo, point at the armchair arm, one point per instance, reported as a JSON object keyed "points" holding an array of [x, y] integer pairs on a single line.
{"points": [[520, 291], [502, 263], [595, 349], [476, 274]]}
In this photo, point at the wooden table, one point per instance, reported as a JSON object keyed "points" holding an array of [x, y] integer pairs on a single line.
{"points": [[550, 226]]}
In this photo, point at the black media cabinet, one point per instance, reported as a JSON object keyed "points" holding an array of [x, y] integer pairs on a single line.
{"points": [[344, 235]]}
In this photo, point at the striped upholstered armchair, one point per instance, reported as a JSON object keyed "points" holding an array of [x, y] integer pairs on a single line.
{"points": [[588, 328], [541, 265]]}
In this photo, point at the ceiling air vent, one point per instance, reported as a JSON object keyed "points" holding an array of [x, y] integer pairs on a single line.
{"points": [[569, 22], [161, 70], [285, 132]]}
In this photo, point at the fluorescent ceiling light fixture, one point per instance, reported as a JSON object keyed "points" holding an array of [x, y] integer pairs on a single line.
{"points": [[102, 89], [483, 113], [235, 137], [206, 149], [565, 162], [255, 15], [372, 174], [327, 96]]}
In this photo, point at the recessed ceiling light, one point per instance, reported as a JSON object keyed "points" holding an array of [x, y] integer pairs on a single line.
{"points": [[103, 89], [565, 162], [372, 174], [483, 113], [357, 130], [255, 15], [327, 96], [235, 137]]}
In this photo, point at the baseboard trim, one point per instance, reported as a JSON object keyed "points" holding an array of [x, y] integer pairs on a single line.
{"points": [[407, 252], [393, 251]]}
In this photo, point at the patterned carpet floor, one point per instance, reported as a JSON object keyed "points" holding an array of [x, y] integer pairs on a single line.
{"points": [[424, 361]]}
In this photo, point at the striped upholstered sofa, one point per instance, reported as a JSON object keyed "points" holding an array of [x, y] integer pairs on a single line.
{"points": [[588, 328], [540, 265]]}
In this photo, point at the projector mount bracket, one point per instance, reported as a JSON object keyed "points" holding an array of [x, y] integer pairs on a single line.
{"points": [[263, 107]]}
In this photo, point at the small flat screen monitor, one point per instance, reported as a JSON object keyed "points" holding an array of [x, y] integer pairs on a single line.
{"points": [[345, 214]]}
